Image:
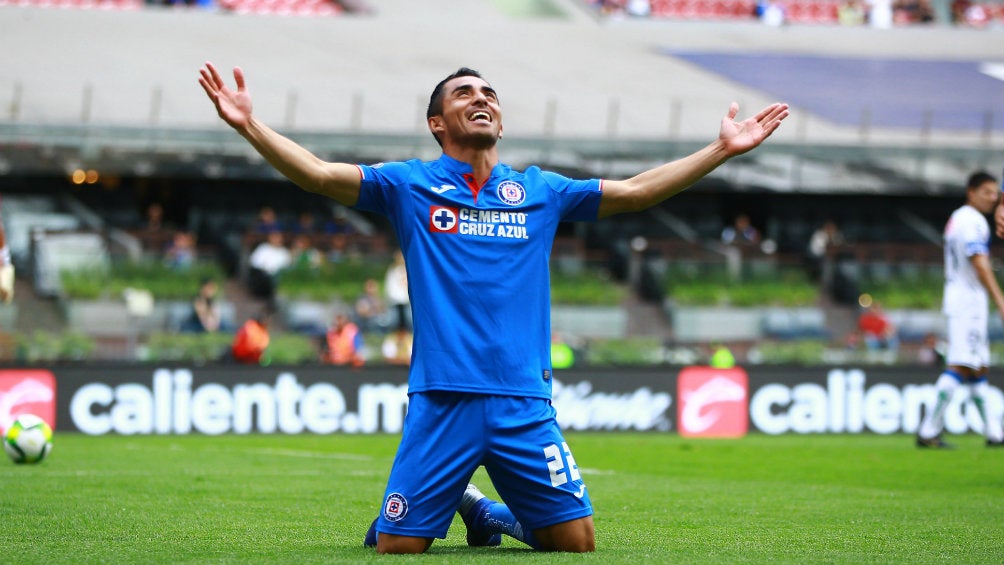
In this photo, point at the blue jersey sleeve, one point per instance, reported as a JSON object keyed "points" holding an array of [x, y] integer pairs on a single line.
{"points": [[382, 185], [579, 200]]}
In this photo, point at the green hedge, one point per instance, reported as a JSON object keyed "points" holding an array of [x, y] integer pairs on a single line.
{"points": [[343, 280], [164, 282], [798, 352], [623, 352], [588, 288], [329, 281], [922, 292], [283, 349], [43, 347], [190, 347], [786, 288]]}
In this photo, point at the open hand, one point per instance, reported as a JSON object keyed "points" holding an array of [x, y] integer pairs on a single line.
{"points": [[234, 107], [740, 137]]}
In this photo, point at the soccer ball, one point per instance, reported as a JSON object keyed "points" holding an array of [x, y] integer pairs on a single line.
{"points": [[28, 439]]}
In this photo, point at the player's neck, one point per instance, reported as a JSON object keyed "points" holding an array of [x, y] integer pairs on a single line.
{"points": [[482, 161]]}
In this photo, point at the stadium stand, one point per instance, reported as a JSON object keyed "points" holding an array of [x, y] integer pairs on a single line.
{"points": [[78, 4], [53, 252], [798, 12], [703, 9], [308, 8]]}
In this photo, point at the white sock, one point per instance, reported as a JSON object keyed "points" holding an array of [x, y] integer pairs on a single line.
{"points": [[992, 427], [934, 420]]}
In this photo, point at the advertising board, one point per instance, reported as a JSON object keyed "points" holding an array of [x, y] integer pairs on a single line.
{"points": [[693, 401]]}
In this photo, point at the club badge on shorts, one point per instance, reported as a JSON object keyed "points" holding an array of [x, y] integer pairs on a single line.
{"points": [[395, 507]]}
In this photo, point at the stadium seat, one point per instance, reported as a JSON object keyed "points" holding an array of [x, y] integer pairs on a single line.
{"points": [[55, 252]]}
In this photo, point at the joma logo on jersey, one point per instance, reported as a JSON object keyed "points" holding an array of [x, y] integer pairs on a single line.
{"points": [[712, 402], [443, 219]]}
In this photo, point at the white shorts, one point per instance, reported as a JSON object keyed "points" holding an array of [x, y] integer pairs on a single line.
{"points": [[968, 342]]}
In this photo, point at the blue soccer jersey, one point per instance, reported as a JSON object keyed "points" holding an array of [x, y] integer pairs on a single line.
{"points": [[477, 260]]}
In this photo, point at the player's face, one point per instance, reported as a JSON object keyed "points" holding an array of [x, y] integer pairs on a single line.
{"points": [[471, 113], [984, 197]]}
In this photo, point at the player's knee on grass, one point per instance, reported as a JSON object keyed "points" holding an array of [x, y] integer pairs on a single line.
{"points": [[574, 536], [390, 543]]}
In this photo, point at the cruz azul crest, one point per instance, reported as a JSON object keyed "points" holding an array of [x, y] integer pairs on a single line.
{"points": [[512, 193]]}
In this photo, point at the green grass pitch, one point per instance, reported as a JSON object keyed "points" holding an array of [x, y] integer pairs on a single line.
{"points": [[659, 498]]}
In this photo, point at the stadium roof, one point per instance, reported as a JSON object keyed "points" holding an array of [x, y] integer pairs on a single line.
{"points": [[117, 90]]}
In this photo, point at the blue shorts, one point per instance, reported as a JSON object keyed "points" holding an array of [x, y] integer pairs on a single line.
{"points": [[448, 435]]}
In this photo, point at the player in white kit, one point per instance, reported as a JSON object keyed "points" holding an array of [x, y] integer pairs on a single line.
{"points": [[969, 285]]}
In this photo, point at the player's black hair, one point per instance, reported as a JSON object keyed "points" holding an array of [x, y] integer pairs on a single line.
{"points": [[436, 99], [978, 178]]}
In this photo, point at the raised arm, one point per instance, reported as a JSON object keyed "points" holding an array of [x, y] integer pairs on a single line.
{"points": [[339, 181], [655, 185]]}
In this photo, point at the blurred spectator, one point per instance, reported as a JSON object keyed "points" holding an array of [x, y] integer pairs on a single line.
{"points": [[338, 247], [852, 13], [303, 253], [771, 12], [880, 14], [396, 347], [268, 221], [877, 330], [396, 288], [905, 12], [305, 224], [932, 351], [344, 343], [821, 245], [181, 253], [965, 12], [266, 262], [339, 231], [741, 232], [639, 8], [371, 310], [251, 340], [154, 221], [339, 222], [205, 316], [852, 341], [154, 232], [611, 7]]}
